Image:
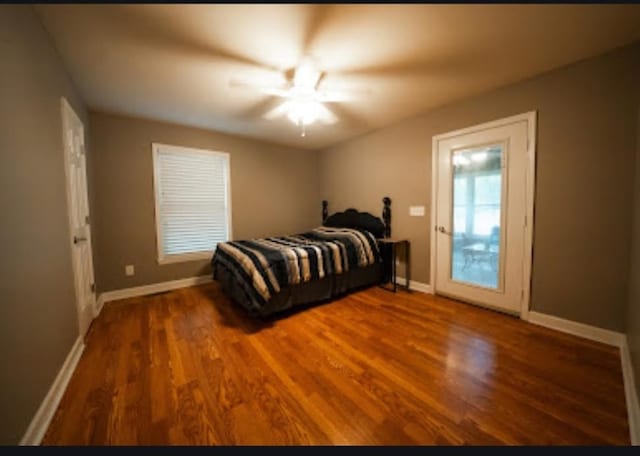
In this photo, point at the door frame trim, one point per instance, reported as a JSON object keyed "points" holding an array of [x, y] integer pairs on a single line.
{"points": [[531, 119]]}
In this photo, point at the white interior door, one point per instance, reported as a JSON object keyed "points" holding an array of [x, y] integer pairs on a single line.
{"points": [[78, 206], [483, 205]]}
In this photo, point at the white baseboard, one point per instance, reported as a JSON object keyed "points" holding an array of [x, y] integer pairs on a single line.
{"points": [[99, 304], [630, 392], [605, 336], [40, 422], [153, 288], [608, 337], [416, 286]]}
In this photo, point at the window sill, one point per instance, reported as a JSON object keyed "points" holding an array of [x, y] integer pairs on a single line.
{"points": [[185, 257]]}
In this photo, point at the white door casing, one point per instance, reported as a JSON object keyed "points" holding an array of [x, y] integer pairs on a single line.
{"points": [[78, 211], [515, 136]]}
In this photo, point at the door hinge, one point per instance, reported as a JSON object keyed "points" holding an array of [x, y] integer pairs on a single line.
{"points": [[86, 219], [525, 221], [93, 287]]}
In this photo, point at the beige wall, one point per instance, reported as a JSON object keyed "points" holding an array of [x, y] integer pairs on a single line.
{"points": [[633, 310], [38, 322], [274, 191], [586, 142], [586, 127]]}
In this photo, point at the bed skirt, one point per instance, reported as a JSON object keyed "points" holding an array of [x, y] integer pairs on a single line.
{"points": [[306, 293]]}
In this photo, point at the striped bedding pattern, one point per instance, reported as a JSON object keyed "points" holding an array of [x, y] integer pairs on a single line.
{"points": [[267, 265]]}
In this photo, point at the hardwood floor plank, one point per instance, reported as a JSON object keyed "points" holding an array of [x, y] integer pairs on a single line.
{"points": [[190, 367]]}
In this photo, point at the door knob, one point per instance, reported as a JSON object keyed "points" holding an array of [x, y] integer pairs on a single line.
{"points": [[77, 239], [444, 231]]}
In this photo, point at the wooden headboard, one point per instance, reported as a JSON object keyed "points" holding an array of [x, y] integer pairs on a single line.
{"points": [[352, 218]]}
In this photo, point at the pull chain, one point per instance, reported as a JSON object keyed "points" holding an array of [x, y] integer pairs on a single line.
{"points": [[303, 127]]}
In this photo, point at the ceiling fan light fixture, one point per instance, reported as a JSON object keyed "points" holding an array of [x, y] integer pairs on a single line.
{"points": [[303, 112], [306, 74], [303, 101]]}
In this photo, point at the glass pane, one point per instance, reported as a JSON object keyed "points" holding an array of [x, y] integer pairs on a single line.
{"points": [[460, 193], [485, 218], [459, 205], [459, 219], [477, 195]]}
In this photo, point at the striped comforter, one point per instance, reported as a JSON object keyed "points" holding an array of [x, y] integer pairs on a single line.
{"points": [[269, 264]]}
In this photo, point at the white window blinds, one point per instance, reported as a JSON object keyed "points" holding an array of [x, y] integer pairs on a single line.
{"points": [[192, 201]]}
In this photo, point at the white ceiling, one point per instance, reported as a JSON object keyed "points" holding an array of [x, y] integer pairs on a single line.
{"points": [[174, 62]]}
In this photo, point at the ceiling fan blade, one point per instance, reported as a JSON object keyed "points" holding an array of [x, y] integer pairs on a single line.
{"points": [[348, 117], [326, 116], [258, 109], [267, 89], [274, 91], [340, 95], [278, 111], [306, 74]]}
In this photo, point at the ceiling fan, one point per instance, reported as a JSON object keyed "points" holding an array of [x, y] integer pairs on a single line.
{"points": [[303, 100]]}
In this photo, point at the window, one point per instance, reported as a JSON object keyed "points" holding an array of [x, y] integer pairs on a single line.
{"points": [[193, 210], [476, 203]]}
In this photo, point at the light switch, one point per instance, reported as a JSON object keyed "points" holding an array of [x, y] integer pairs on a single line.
{"points": [[416, 211], [129, 270]]}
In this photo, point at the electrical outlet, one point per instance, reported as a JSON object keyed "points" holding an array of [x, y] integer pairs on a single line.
{"points": [[129, 270]]}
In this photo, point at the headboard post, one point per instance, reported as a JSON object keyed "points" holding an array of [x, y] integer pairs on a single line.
{"points": [[386, 216], [325, 210]]}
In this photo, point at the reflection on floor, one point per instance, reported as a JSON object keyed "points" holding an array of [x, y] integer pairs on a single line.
{"points": [[372, 368], [474, 264]]}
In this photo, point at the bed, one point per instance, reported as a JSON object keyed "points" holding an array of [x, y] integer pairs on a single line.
{"points": [[270, 275]]}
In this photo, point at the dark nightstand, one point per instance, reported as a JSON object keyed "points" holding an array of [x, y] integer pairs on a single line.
{"points": [[389, 251]]}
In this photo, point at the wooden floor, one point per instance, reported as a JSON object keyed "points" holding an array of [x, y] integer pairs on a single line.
{"points": [[188, 367]]}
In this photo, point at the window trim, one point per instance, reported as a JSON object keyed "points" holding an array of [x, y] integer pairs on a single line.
{"points": [[192, 256]]}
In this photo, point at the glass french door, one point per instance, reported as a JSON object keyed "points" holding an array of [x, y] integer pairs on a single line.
{"points": [[480, 216]]}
